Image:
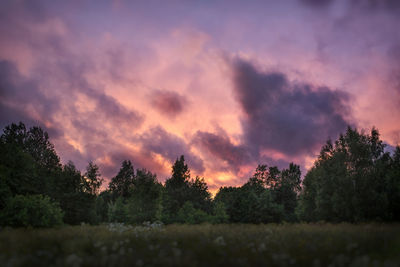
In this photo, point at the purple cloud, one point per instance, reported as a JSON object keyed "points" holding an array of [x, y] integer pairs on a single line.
{"points": [[168, 103], [222, 148], [290, 118], [170, 146]]}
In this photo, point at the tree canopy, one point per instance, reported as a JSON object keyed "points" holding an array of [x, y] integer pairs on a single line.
{"points": [[353, 180]]}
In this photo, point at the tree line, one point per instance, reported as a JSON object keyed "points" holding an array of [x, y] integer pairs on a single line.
{"points": [[353, 180]]}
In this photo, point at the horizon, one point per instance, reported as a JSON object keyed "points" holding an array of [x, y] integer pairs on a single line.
{"points": [[228, 84]]}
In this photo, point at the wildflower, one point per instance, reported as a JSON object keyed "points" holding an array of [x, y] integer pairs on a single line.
{"points": [[220, 241], [73, 260], [262, 247]]}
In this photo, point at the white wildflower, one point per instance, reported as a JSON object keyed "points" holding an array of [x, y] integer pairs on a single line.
{"points": [[220, 241], [262, 247], [73, 260]]}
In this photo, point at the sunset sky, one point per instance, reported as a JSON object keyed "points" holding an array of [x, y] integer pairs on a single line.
{"points": [[229, 84]]}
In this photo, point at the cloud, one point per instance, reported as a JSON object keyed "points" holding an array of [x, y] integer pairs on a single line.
{"points": [[222, 148], [112, 160], [168, 103], [317, 3], [394, 75], [355, 6], [170, 146], [377, 5], [89, 78], [80, 127], [289, 118], [110, 109], [21, 98]]}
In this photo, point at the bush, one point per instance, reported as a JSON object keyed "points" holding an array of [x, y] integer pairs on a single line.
{"points": [[31, 210], [118, 211], [142, 210], [190, 215], [219, 213]]}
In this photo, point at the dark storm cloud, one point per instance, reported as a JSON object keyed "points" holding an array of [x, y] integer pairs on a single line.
{"points": [[168, 103], [285, 117], [355, 6], [221, 147], [377, 5], [394, 76], [317, 3], [30, 10], [10, 115], [111, 109], [13, 86], [157, 140], [60, 71], [20, 92], [19, 96]]}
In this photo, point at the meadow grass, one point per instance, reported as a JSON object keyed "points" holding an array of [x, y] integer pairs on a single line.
{"points": [[203, 245]]}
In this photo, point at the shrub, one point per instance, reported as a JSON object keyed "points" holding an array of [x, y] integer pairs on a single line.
{"points": [[219, 213], [142, 210], [190, 215], [31, 210], [118, 211]]}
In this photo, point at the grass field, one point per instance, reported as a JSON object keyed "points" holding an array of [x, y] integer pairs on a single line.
{"points": [[203, 245]]}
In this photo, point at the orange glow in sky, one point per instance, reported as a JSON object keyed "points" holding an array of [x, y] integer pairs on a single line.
{"points": [[228, 84]]}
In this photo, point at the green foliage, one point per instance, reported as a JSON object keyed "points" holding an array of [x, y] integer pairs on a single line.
{"points": [[393, 186], [101, 206], [93, 179], [176, 190], [121, 184], [180, 189], [28, 160], [269, 210], [270, 195], [145, 201], [5, 192], [29, 164], [118, 211], [203, 245], [352, 180], [199, 194], [229, 196], [190, 215], [31, 210], [70, 191], [287, 189], [306, 210], [38, 145], [219, 213]]}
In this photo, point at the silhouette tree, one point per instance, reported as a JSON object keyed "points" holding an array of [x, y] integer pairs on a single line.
{"points": [[145, 201], [121, 184], [30, 163], [71, 192], [286, 190], [199, 194], [350, 181], [353, 180], [270, 195], [393, 186], [176, 190], [93, 179], [180, 189]]}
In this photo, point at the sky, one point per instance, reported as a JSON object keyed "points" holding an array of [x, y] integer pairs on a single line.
{"points": [[229, 84]]}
